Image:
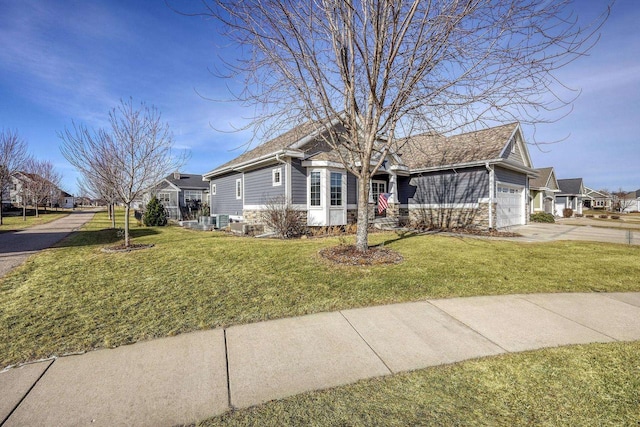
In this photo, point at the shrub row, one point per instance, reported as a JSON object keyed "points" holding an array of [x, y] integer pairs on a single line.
{"points": [[542, 217]]}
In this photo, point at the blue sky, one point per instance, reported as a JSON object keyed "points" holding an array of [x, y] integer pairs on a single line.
{"points": [[64, 60]]}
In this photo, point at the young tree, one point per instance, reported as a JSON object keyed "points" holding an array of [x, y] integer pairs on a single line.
{"points": [[389, 68], [43, 185], [129, 157], [13, 156]]}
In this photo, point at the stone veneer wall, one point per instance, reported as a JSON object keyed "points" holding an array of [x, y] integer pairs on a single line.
{"points": [[452, 217], [255, 217]]}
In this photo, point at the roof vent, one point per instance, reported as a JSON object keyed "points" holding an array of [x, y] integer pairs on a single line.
{"points": [[176, 175]]}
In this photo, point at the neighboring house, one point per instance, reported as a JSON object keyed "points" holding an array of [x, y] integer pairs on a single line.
{"points": [[571, 195], [478, 178], [17, 193], [630, 202], [181, 194], [597, 199], [543, 189]]}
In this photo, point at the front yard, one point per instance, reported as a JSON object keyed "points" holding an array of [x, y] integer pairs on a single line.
{"points": [[75, 297]]}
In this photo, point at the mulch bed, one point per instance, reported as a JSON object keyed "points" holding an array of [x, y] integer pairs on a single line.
{"points": [[349, 255]]}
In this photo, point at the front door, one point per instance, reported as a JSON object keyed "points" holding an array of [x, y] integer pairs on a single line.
{"points": [[377, 188]]}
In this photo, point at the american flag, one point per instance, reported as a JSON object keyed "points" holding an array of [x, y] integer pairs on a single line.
{"points": [[382, 202]]}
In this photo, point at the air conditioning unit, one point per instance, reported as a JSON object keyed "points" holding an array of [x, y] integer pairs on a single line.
{"points": [[221, 221]]}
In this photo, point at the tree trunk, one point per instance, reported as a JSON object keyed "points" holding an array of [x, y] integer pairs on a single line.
{"points": [[112, 213], [24, 210], [0, 207], [362, 231], [37, 212], [127, 239]]}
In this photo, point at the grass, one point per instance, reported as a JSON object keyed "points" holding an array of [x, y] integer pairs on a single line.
{"points": [[75, 297], [595, 384], [12, 223]]}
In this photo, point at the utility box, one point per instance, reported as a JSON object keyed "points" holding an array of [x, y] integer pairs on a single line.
{"points": [[221, 221]]}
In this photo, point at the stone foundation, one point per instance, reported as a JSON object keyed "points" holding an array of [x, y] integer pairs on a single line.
{"points": [[451, 217], [255, 217]]}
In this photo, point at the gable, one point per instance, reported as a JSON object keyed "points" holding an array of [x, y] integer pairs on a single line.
{"points": [[516, 150]]}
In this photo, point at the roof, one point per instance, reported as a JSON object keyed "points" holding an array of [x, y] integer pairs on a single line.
{"points": [[188, 181], [542, 180], [432, 150], [273, 146], [570, 186]]}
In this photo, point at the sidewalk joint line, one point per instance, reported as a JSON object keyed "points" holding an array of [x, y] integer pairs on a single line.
{"points": [[523, 297], [226, 361], [367, 343], [467, 326], [27, 393]]}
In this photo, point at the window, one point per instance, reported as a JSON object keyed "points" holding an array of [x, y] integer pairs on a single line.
{"points": [[238, 188], [336, 189], [314, 189], [213, 189], [276, 177], [192, 196], [164, 198]]}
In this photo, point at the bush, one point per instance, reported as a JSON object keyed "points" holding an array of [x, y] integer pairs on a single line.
{"points": [[589, 216], [155, 215], [567, 213], [603, 216], [578, 215], [542, 217], [615, 216], [283, 219]]}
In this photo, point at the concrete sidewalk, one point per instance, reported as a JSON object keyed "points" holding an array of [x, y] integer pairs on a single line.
{"points": [[16, 246], [197, 375]]}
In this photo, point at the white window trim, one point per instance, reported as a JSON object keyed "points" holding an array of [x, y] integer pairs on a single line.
{"points": [[342, 189], [239, 189], [322, 185], [213, 189], [276, 172]]}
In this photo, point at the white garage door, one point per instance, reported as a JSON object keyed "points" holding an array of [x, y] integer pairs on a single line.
{"points": [[510, 205]]}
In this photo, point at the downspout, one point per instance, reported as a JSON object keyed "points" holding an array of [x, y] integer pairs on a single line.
{"points": [[491, 193]]}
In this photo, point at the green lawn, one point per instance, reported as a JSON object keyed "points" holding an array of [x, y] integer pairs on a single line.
{"points": [[75, 297], [11, 223], [595, 385]]}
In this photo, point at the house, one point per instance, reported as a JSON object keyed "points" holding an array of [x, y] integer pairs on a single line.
{"points": [[571, 195], [543, 189], [181, 194], [629, 202], [474, 179], [18, 192], [597, 199]]}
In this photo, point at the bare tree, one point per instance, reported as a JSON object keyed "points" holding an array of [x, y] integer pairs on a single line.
{"points": [[13, 155], [389, 68], [126, 159], [43, 183], [623, 200]]}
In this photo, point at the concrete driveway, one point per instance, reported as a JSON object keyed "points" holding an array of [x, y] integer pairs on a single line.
{"points": [[16, 246], [539, 232]]}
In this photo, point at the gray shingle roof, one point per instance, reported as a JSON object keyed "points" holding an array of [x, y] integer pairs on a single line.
{"points": [[188, 181], [429, 150], [542, 180], [274, 145], [570, 186]]}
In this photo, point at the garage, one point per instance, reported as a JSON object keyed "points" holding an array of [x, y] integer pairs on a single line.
{"points": [[509, 205]]}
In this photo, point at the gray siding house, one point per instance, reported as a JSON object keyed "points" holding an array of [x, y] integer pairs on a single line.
{"points": [[474, 179], [543, 191], [571, 195], [181, 194]]}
